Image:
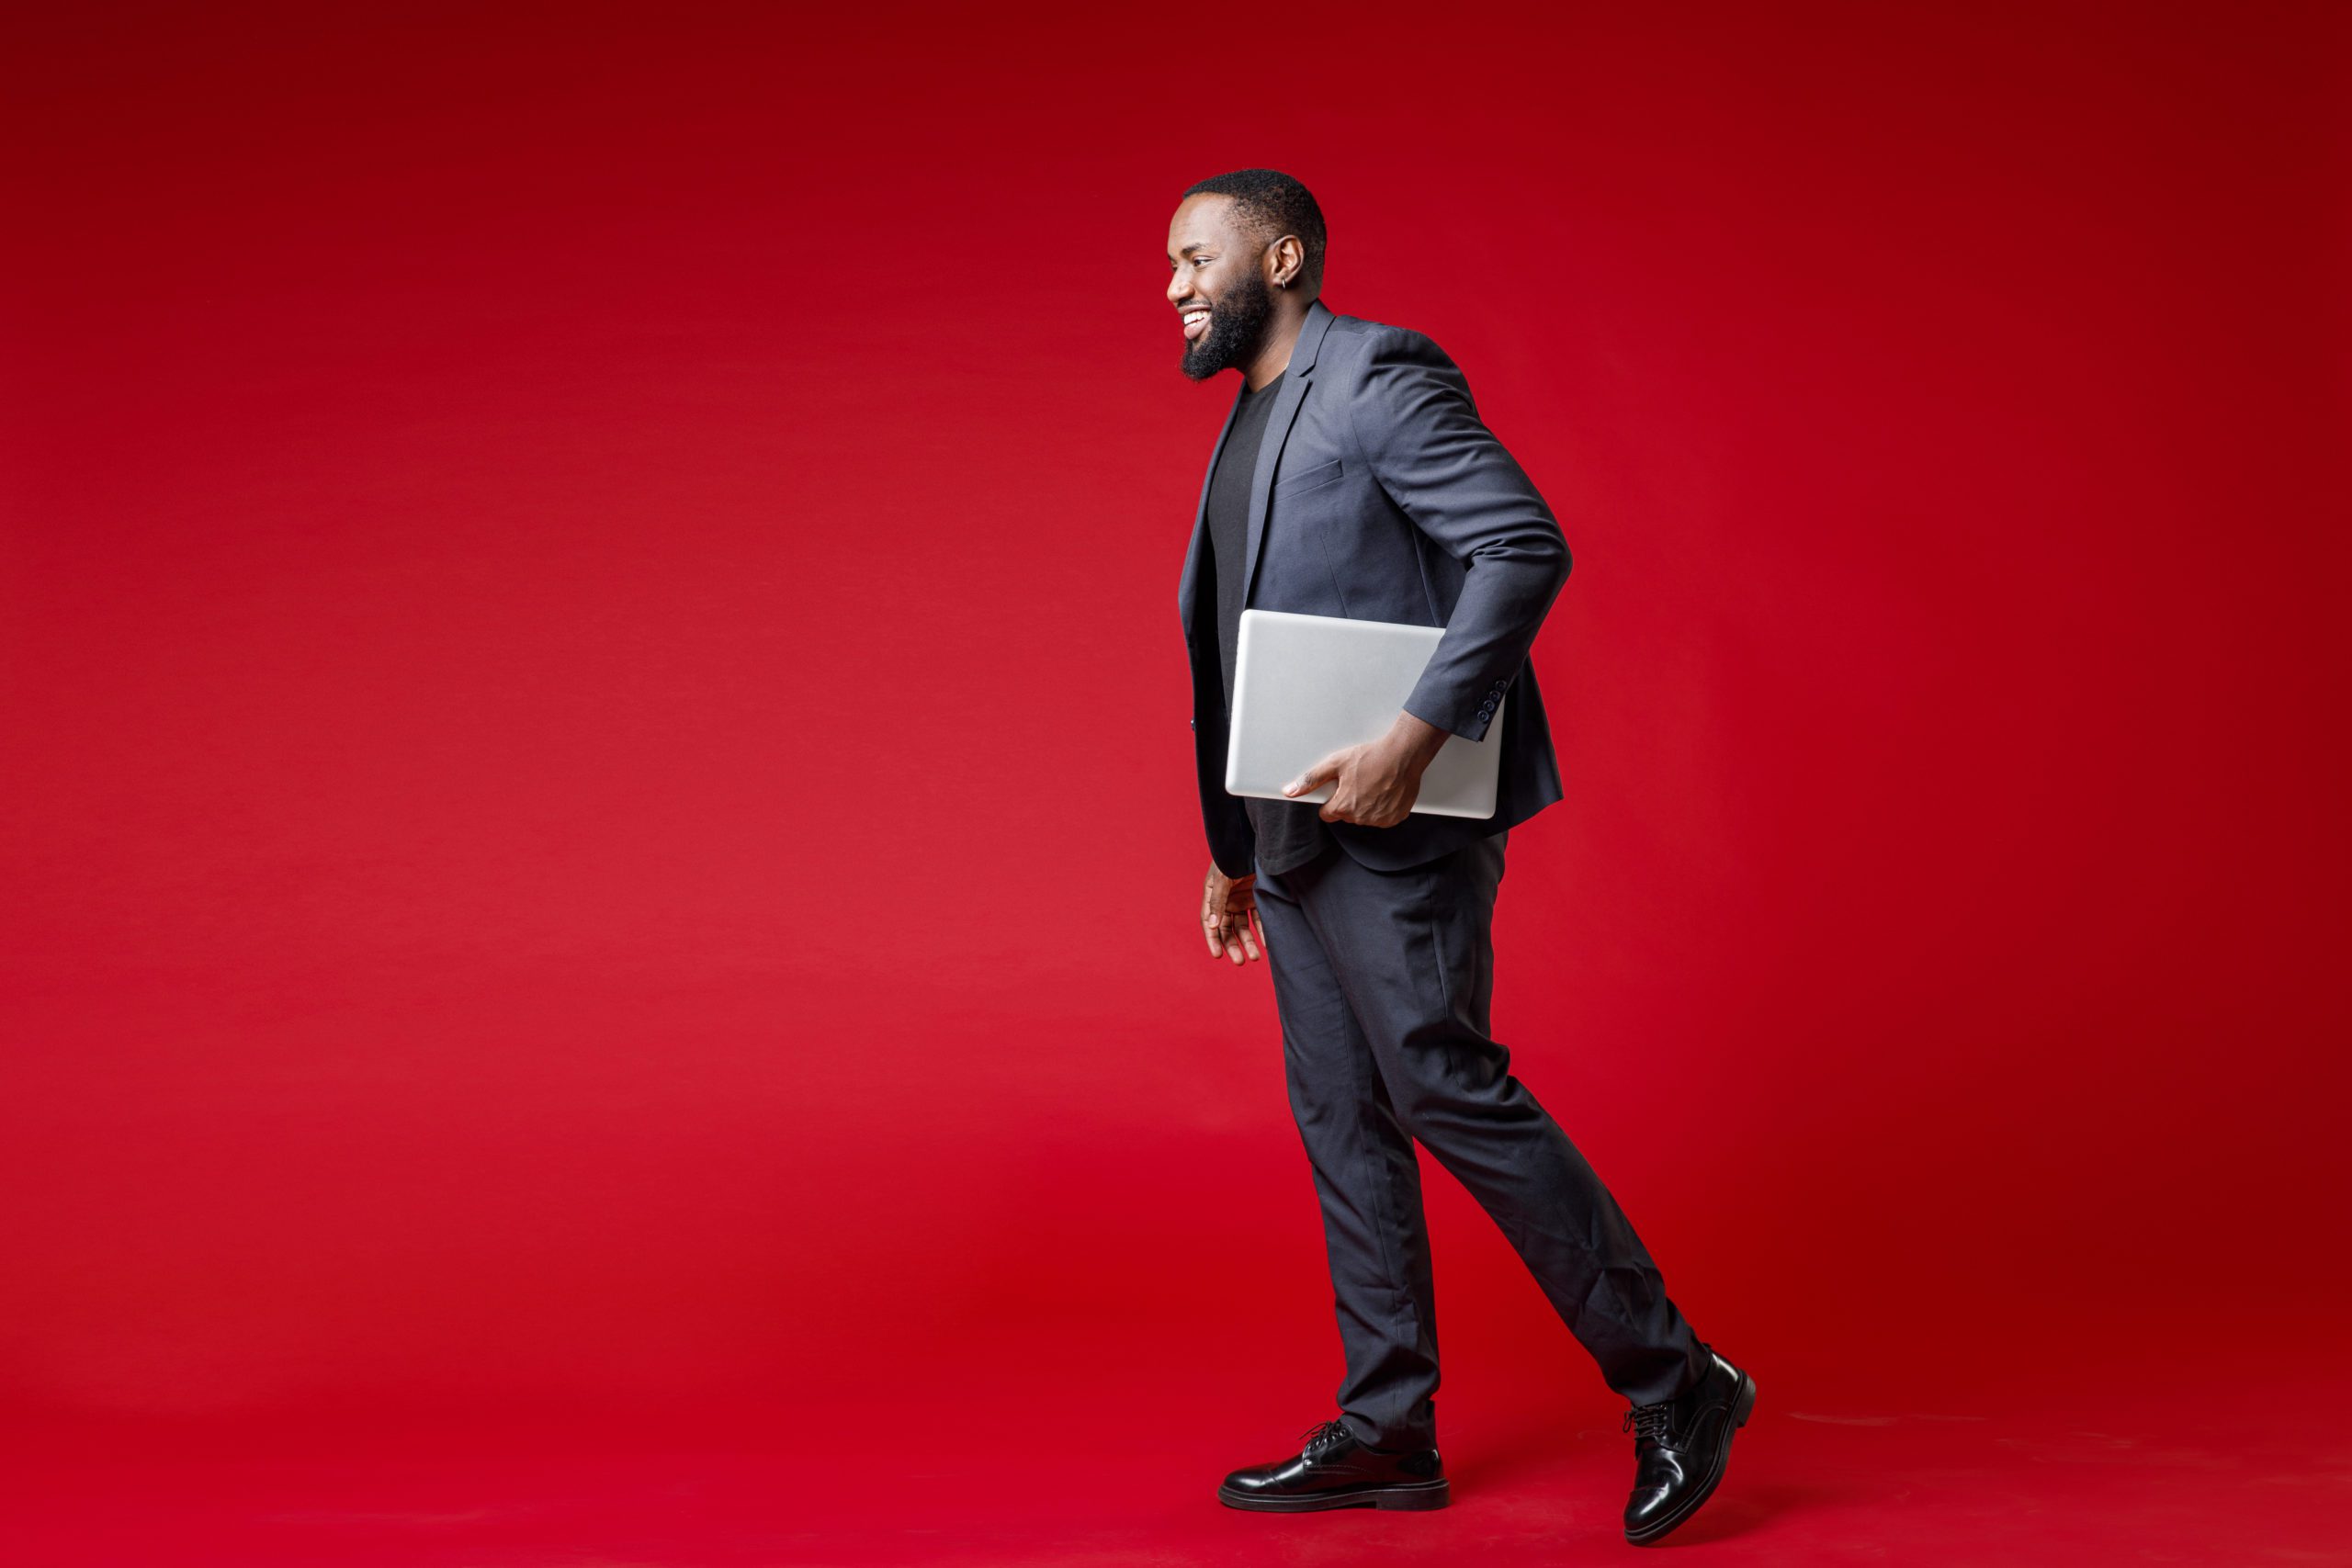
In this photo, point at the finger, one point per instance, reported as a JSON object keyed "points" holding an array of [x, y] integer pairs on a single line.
{"points": [[1321, 773], [1250, 940]]}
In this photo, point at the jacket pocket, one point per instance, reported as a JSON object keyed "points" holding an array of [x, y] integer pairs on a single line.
{"points": [[1315, 478]]}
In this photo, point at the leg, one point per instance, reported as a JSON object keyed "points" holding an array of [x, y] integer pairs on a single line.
{"points": [[1412, 952], [1366, 1177]]}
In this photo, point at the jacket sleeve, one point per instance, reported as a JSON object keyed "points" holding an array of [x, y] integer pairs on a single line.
{"points": [[1420, 435], [1233, 843]]}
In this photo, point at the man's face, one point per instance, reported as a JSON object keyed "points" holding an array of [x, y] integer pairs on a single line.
{"points": [[1217, 285]]}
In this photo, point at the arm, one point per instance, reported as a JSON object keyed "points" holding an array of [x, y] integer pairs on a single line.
{"points": [[1232, 840], [1421, 438]]}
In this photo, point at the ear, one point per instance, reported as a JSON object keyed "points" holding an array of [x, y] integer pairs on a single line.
{"points": [[1286, 262]]}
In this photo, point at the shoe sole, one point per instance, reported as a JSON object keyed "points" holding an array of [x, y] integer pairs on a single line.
{"points": [[1416, 1495], [1742, 1403]]}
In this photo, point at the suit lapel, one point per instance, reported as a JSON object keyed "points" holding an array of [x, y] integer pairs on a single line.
{"points": [[1287, 399], [1295, 377], [1187, 584]]}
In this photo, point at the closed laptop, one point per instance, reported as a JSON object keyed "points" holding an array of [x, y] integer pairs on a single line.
{"points": [[1305, 686]]}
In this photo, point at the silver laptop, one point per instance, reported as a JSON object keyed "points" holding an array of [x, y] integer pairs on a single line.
{"points": [[1305, 686]]}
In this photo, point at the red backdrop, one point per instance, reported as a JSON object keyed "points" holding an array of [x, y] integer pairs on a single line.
{"points": [[598, 810]]}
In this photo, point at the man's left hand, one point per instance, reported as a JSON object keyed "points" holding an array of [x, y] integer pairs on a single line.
{"points": [[1375, 784]]}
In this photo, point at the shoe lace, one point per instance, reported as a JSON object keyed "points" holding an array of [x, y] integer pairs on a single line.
{"points": [[1322, 1433], [1655, 1422]]}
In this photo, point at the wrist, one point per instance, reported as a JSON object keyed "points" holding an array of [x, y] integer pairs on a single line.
{"points": [[1416, 740]]}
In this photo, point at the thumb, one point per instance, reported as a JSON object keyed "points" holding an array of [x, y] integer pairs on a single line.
{"points": [[1321, 773]]}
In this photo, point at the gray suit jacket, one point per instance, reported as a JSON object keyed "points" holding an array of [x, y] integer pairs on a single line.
{"points": [[1379, 495]]}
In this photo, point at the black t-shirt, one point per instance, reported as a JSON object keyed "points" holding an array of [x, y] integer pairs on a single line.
{"points": [[1290, 832]]}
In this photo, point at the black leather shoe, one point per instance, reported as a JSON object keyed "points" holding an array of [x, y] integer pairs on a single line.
{"points": [[1681, 1448], [1335, 1470]]}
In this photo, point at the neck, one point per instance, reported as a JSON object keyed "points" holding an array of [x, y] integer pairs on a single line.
{"points": [[1282, 335]]}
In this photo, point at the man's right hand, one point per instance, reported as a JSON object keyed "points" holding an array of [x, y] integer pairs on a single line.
{"points": [[1229, 917]]}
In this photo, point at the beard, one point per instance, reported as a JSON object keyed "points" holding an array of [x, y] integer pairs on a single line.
{"points": [[1235, 329]]}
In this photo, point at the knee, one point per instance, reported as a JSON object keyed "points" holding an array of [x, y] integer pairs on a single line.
{"points": [[1439, 1109]]}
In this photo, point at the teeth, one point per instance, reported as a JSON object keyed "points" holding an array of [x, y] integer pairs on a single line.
{"points": [[1192, 316]]}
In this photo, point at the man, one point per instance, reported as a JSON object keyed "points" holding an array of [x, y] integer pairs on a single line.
{"points": [[1354, 478]]}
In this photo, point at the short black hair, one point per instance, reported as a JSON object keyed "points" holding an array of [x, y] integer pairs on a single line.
{"points": [[1270, 204]]}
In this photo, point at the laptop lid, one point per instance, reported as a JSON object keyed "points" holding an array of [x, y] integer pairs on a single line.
{"points": [[1305, 686]]}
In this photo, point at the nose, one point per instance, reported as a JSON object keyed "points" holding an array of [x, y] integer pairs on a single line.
{"points": [[1180, 288]]}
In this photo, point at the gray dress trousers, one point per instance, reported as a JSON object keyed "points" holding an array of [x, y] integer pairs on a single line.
{"points": [[1383, 979]]}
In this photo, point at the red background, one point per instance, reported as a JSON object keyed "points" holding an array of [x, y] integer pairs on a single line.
{"points": [[599, 833]]}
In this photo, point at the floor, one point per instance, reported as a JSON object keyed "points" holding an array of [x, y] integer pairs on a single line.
{"points": [[2141, 1474]]}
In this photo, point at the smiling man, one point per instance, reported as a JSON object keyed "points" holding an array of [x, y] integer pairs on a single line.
{"points": [[1354, 478]]}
